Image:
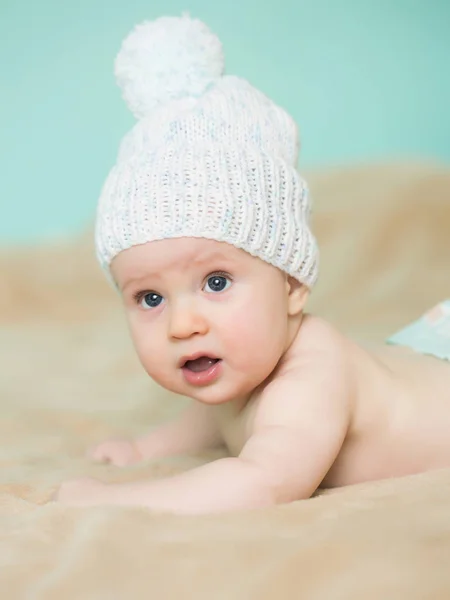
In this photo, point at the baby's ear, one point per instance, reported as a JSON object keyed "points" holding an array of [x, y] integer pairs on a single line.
{"points": [[298, 294]]}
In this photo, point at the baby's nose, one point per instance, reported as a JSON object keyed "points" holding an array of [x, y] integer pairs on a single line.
{"points": [[186, 320]]}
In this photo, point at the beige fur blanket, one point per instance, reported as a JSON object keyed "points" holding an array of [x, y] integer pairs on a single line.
{"points": [[68, 377]]}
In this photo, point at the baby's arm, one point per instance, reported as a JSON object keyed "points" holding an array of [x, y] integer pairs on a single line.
{"points": [[194, 430], [297, 437]]}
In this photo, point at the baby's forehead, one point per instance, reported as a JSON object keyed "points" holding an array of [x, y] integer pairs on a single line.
{"points": [[162, 257], [193, 251]]}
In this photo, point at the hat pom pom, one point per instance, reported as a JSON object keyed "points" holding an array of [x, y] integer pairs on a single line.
{"points": [[167, 59]]}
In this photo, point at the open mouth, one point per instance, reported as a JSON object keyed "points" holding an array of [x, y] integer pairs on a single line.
{"points": [[201, 369], [200, 364]]}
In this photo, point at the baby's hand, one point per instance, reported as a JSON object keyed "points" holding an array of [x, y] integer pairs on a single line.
{"points": [[117, 452]]}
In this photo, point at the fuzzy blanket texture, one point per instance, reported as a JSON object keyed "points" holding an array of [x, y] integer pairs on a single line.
{"points": [[69, 378]]}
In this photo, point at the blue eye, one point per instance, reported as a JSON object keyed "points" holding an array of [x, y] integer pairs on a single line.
{"points": [[151, 300], [217, 283]]}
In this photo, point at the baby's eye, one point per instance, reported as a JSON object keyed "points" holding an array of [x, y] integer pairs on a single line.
{"points": [[150, 300], [217, 283]]}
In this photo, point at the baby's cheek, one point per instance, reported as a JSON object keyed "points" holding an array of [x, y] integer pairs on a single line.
{"points": [[253, 334], [157, 365], [150, 352]]}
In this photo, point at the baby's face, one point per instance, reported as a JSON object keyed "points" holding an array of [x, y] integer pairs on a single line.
{"points": [[208, 320]]}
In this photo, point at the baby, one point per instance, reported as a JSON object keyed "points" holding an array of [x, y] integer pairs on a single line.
{"points": [[203, 227]]}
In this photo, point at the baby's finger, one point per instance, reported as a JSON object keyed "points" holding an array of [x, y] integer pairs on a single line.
{"points": [[99, 454]]}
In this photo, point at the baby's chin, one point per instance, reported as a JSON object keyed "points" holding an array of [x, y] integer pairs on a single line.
{"points": [[229, 387], [221, 392], [214, 394], [216, 397]]}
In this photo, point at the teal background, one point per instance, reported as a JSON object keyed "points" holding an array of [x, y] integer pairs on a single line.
{"points": [[365, 80]]}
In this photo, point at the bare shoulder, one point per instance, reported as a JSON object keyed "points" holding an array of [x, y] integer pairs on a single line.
{"points": [[314, 381], [319, 338], [321, 354]]}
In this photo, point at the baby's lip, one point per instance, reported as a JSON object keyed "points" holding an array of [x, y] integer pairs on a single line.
{"points": [[184, 359]]}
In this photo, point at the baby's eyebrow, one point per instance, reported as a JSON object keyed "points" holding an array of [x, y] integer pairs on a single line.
{"points": [[130, 283], [212, 256], [141, 281]]}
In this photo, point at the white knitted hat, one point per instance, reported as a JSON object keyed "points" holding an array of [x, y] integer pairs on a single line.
{"points": [[209, 157]]}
